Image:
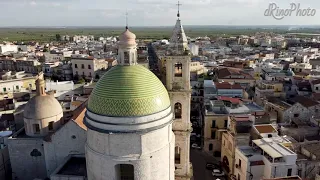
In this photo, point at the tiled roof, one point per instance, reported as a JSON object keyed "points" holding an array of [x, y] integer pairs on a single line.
{"points": [[79, 119], [226, 85], [232, 100], [128, 91], [265, 129]]}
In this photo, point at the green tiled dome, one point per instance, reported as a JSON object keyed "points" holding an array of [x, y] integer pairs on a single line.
{"points": [[126, 91]]}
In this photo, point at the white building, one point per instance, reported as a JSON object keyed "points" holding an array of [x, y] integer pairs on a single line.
{"points": [[8, 48], [267, 158], [129, 134]]}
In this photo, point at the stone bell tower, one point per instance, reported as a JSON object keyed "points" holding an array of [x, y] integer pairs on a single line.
{"points": [[178, 85]]}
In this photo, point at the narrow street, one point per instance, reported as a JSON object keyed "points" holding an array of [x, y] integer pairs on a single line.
{"points": [[199, 160]]}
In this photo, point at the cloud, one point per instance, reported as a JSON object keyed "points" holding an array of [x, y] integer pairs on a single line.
{"points": [[33, 3]]}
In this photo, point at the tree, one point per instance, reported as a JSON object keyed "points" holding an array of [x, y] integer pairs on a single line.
{"points": [[58, 37]]}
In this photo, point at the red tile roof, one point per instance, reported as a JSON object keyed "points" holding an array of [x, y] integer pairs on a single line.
{"points": [[232, 100], [226, 85]]}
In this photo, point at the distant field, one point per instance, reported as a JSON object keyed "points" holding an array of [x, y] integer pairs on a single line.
{"points": [[49, 34]]}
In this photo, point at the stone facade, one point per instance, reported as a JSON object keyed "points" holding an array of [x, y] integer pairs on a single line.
{"points": [[179, 89], [27, 158], [70, 139]]}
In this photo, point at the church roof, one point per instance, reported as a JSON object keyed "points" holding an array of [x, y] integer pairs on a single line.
{"points": [[42, 107], [178, 40], [127, 91]]}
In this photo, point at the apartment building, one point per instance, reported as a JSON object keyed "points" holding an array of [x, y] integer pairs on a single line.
{"points": [[267, 158], [238, 134], [86, 66]]}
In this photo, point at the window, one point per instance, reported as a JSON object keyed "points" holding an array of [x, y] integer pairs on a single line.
{"points": [[89, 66], [269, 135], [213, 134], [4, 89], [177, 111], [50, 126], [36, 129], [82, 66], [317, 88], [177, 154], [76, 72], [76, 66], [17, 87], [210, 147], [239, 163], [225, 123], [289, 172], [90, 74], [213, 125], [238, 176], [126, 57], [296, 115], [125, 171], [178, 70]]}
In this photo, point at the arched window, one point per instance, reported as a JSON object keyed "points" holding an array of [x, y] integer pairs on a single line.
{"points": [[178, 70], [125, 172], [177, 111], [177, 154], [210, 147]]}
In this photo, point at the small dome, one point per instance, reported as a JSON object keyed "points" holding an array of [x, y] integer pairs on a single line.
{"points": [[42, 107], [127, 37], [127, 91]]}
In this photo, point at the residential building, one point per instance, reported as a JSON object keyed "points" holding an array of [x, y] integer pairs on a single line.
{"points": [[19, 84], [235, 75], [308, 162], [49, 68], [28, 65], [301, 67], [238, 134], [267, 158], [279, 161], [8, 48], [266, 88], [86, 66]]}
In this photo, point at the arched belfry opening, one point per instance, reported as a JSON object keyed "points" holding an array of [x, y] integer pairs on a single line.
{"points": [[177, 111], [178, 70]]}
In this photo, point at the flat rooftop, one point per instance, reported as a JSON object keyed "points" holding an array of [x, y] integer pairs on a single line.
{"points": [[274, 149], [75, 166]]}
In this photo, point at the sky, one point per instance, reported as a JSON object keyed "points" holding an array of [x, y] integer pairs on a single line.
{"points": [[150, 12]]}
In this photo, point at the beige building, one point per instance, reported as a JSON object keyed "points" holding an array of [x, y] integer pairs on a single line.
{"points": [[268, 89], [238, 134], [215, 123], [86, 66], [17, 83]]}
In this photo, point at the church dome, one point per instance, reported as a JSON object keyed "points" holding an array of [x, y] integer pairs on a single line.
{"points": [[127, 37], [42, 107], [127, 91]]}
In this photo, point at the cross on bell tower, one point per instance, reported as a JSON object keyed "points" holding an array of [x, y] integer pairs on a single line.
{"points": [[178, 15]]}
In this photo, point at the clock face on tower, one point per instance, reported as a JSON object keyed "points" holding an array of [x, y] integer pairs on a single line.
{"points": [[126, 57]]}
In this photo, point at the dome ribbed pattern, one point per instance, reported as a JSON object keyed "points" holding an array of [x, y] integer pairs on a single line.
{"points": [[126, 91]]}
